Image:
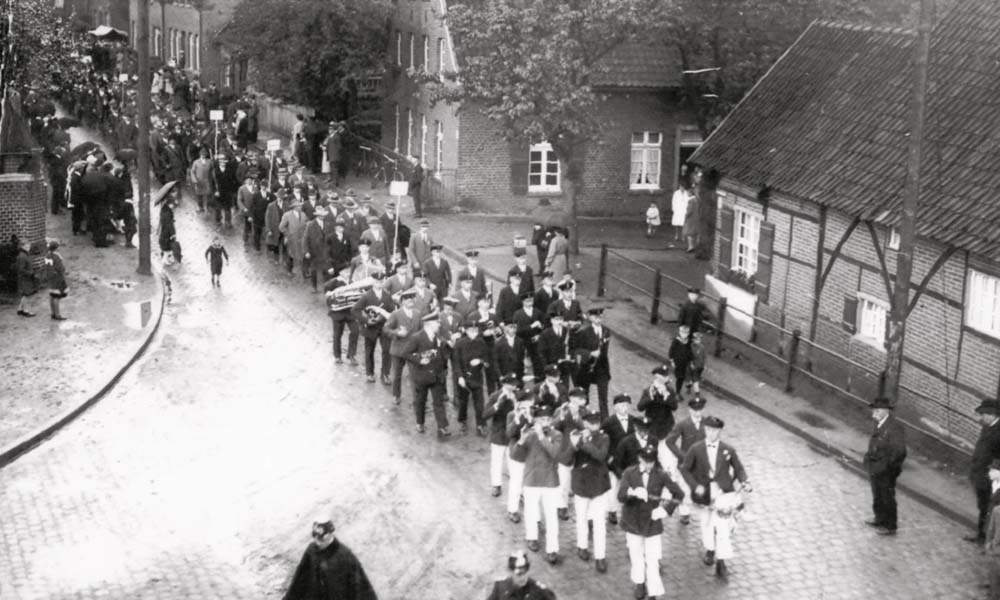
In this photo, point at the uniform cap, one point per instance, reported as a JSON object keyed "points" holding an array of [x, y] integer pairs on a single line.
{"points": [[693, 290], [543, 410], [714, 422], [518, 560], [552, 371], [430, 318], [642, 422], [437, 247], [547, 274], [591, 417], [596, 312], [648, 452], [662, 370], [449, 301], [472, 253], [465, 277], [378, 276], [995, 464], [470, 323], [565, 285], [424, 222], [578, 392], [509, 379], [525, 296], [514, 272], [372, 220], [408, 295], [364, 242], [697, 403], [619, 398], [418, 273]]}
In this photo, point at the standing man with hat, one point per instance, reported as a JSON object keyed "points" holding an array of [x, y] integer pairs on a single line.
{"points": [[553, 348], [688, 431], [518, 421], [509, 298], [618, 426], [438, 272], [987, 449], [371, 312], [331, 152], [546, 295], [566, 305], [340, 319], [527, 275], [419, 250], [642, 492], [329, 569], [693, 313], [388, 223], [590, 347], [519, 586], [471, 363], [472, 269], [467, 301], [884, 462], [590, 484], [500, 404], [377, 241], [316, 247], [658, 403], [352, 226], [428, 372], [541, 482], [712, 469], [529, 328], [403, 324], [339, 248], [293, 227], [225, 185]]}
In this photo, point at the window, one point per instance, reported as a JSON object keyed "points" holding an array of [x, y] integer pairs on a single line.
{"points": [[893, 238], [227, 70], [983, 306], [399, 48], [872, 315], [158, 42], [395, 143], [196, 53], [440, 64], [413, 55], [423, 140], [746, 237], [645, 161], [438, 147], [543, 169], [409, 132], [427, 55]]}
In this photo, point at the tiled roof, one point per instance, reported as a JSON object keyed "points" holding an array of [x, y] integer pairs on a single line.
{"points": [[640, 65], [829, 122]]}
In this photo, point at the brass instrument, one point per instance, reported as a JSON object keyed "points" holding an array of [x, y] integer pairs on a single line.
{"points": [[344, 297], [375, 316]]}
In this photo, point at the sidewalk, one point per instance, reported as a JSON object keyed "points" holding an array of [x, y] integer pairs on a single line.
{"points": [[55, 369]]}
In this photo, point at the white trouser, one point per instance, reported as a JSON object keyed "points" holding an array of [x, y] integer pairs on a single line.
{"points": [[644, 553], [497, 455], [516, 471], [565, 478], [716, 532], [592, 509], [547, 498], [684, 509], [612, 495]]}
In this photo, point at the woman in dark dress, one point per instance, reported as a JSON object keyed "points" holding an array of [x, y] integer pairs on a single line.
{"points": [[56, 280], [167, 229], [329, 570]]}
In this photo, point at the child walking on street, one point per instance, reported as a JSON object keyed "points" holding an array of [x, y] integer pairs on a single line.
{"points": [[214, 255], [652, 218]]}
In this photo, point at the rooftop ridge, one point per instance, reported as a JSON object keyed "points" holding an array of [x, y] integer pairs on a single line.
{"points": [[848, 26]]}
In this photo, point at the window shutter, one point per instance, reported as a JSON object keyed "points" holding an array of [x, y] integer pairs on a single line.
{"points": [[765, 245], [850, 319], [519, 168], [725, 233]]}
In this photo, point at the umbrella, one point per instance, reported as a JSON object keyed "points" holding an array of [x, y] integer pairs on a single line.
{"points": [[85, 148], [162, 193], [67, 122], [109, 34], [125, 154]]}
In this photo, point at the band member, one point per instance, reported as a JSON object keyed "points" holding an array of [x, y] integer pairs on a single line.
{"points": [[452, 330], [341, 318], [428, 372], [401, 281], [490, 329], [472, 269], [541, 482], [438, 272], [618, 426], [590, 346], [371, 312], [551, 390], [527, 275], [643, 493], [529, 328], [590, 485], [658, 403], [470, 363], [687, 431], [498, 406], [424, 300], [546, 295], [554, 348], [518, 420], [884, 462], [627, 451], [509, 352], [401, 327], [509, 299], [467, 301], [712, 470], [519, 585], [568, 418], [567, 305], [364, 264], [680, 357], [339, 248], [419, 250]]}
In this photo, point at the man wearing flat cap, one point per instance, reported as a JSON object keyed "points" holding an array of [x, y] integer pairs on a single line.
{"points": [[429, 372], [329, 570], [528, 320], [403, 324], [419, 250], [377, 241], [658, 402], [884, 461], [715, 475], [590, 347], [519, 586], [693, 313], [509, 298], [566, 305], [987, 449], [471, 360], [438, 272], [473, 269]]}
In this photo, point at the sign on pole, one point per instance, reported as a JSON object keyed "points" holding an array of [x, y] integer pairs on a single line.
{"points": [[123, 78], [273, 145], [398, 188], [216, 115]]}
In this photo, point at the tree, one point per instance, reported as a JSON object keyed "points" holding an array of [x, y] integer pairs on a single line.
{"points": [[529, 66], [312, 52], [46, 51]]}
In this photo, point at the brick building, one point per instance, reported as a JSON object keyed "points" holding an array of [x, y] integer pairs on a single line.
{"points": [[192, 28], [813, 164], [636, 158], [91, 13]]}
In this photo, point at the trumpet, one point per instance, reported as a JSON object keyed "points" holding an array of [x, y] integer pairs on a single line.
{"points": [[375, 316]]}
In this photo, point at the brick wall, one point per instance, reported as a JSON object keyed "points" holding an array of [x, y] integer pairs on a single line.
{"points": [[22, 210]]}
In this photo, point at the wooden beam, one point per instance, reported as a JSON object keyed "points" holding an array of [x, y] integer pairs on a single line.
{"points": [[818, 282], [941, 259], [836, 251], [883, 268]]}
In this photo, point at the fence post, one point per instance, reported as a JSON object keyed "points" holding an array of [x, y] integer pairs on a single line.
{"points": [[793, 351], [721, 318], [601, 270], [654, 315]]}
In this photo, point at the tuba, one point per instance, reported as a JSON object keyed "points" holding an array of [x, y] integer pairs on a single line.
{"points": [[344, 297]]}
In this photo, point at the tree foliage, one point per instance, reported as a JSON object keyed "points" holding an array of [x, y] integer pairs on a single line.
{"points": [[312, 52], [46, 49]]}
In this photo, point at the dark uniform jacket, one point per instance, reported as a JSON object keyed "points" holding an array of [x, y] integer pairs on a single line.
{"points": [[688, 433], [573, 312], [886, 449], [659, 408], [495, 412], [466, 350], [637, 514], [692, 314], [509, 358], [552, 346], [589, 478], [315, 242], [339, 250], [566, 423], [626, 453], [466, 305], [527, 281], [585, 341], [478, 280], [696, 470], [439, 276], [987, 448], [508, 303], [505, 590], [398, 321], [370, 299], [545, 299], [515, 423], [329, 286], [613, 427], [423, 346], [525, 324]]}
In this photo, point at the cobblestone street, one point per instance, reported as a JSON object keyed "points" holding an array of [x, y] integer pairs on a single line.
{"points": [[199, 475]]}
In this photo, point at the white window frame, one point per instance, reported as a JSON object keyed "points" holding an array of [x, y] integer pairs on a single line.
{"points": [[982, 304], [427, 54], [157, 41], [399, 48], [409, 132], [548, 158], [438, 148], [649, 154], [871, 320], [893, 242], [413, 56], [441, 55], [746, 240], [423, 141], [395, 143]]}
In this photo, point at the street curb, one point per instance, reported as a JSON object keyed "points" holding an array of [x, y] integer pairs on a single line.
{"points": [[847, 461], [29, 441]]}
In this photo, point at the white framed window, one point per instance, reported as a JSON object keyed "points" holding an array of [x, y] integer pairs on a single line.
{"points": [[438, 147], [158, 42], [409, 132], [427, 54], [746, 238], [543, 169], [893, 238], [982, 307], [413, 54], [872, 315], [645, 172], [395, 143], [399, 48], [423, 140], [196, 54], [440, 65]]}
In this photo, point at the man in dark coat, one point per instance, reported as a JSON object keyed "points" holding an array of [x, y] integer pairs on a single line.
{"points": [[339, 247], [553, 348], [567, 305], [473, 269], [341, 318], [226, 185], [529, 328], [590, 482], [429, 373], [371, 312], [471, 359], [693, 313], [688, 431], [987, 449], [527, 275], [546, 295], [438, 273], [509, 353], [329, 570], [519, 586], [509, 298], [316, 248], [658, 402], [618, 426], [403, 325], [884, 462], [590, 347]]}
